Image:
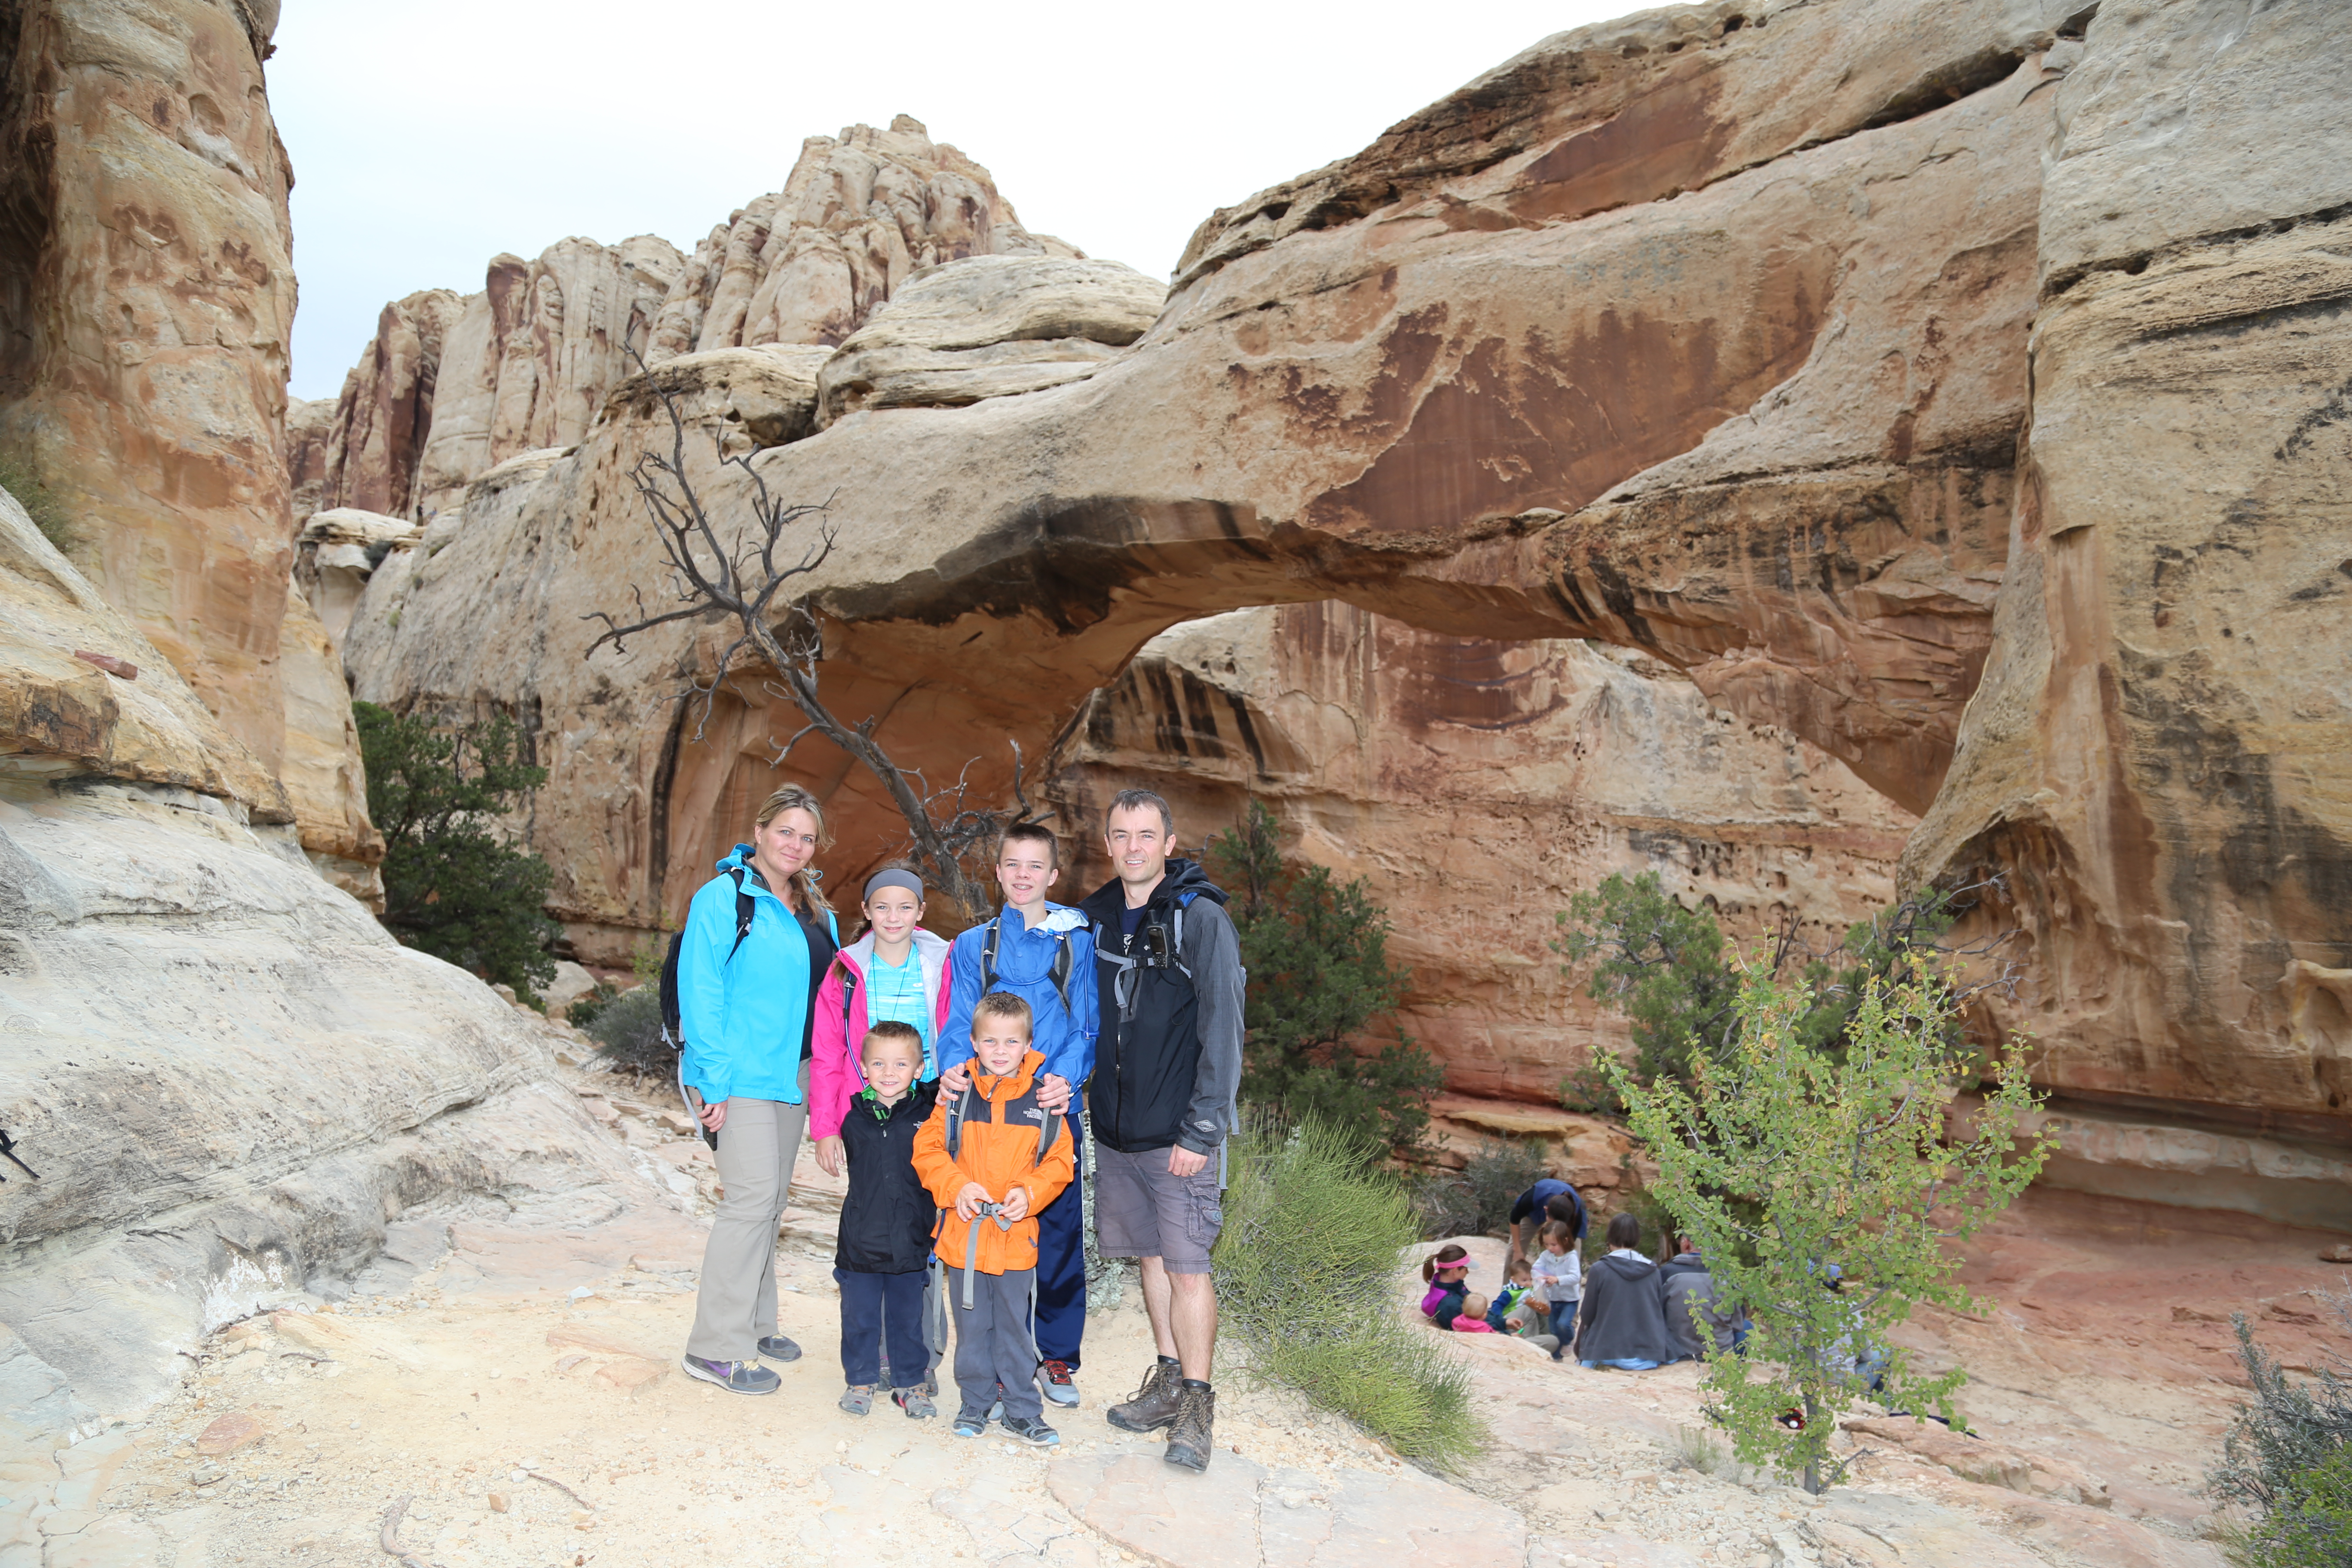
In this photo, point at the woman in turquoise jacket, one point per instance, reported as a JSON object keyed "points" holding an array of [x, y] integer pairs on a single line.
{"points": [[746, 995]]}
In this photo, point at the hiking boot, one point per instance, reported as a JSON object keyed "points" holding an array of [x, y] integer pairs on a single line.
{"points": [[915, 1403], [1054, 1382], [858, 1399], [734, 1376], [1191, 1437], [775, 1347], [1154, 1405], [1031, 1430]]}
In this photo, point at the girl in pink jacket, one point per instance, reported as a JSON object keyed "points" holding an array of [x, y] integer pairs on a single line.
{"points": [[896, 970]]}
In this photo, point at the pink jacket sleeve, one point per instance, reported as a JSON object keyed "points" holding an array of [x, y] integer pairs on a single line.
{"points": [[833, 1076]]}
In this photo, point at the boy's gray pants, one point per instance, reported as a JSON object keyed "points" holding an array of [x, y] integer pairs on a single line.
{"points": [[735, 1307], [993, 1343]]}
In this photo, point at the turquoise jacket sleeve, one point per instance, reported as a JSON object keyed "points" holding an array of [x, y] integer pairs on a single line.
{"points": [[702, 988]]}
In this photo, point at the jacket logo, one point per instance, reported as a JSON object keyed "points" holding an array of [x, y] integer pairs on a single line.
{"points": [[1034, 1114]]}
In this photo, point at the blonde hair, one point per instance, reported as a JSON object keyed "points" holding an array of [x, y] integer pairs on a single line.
{"points": [[1005, 1005], [793, 797]]}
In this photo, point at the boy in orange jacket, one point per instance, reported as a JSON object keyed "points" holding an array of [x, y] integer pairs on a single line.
{"points": [[991, 1157]]}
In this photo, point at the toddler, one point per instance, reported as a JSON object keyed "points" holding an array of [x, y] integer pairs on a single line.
{"points": [[1472, 1318], [993, 1157], [1559, 1274]]}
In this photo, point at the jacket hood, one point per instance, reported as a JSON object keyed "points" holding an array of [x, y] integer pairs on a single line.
{"points": [[1625, 1268], [755, 881], [859, 954], [1184, 881]]}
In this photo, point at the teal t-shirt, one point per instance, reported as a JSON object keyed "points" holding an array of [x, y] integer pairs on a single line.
{"points": [[896, 991]]}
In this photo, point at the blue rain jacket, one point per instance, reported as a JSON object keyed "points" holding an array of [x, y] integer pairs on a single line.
{"points": [[743, 1016]]}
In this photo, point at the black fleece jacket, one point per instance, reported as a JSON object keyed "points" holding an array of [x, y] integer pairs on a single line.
{"points": [[1168, 1062], [887, 1219]]}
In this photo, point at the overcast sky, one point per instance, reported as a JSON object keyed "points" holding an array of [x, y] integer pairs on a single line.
{"points": [[427, 137]]}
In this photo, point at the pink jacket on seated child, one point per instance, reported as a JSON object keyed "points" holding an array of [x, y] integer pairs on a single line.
{"points": [[1466, 1324], [835, 1075]]}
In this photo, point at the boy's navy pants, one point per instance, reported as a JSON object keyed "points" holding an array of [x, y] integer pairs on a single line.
{"points": [[1062, 1261], [863, 1300]]}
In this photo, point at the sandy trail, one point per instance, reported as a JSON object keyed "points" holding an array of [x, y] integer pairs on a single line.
{"points": [[517, 1380]]}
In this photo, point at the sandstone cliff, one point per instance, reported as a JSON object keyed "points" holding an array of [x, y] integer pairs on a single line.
{"points": [[1480, 785], [148, 290]]}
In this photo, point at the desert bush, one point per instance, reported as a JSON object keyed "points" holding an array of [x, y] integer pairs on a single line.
{"points": [[1697, 1448], [585, 1008], [628, 1034], [2288, 1460], [1819, 1176], [453, 884], [1477, 1199], [1321, 981], [1306, 1274]]}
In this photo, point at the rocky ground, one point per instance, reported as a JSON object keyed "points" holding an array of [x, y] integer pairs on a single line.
{"points": [[506, 1393]]}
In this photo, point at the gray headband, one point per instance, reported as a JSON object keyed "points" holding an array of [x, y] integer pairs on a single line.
{"points": [[894, 877]]}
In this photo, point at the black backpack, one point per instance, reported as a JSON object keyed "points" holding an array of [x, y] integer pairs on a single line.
{"points": [[746, 906]]}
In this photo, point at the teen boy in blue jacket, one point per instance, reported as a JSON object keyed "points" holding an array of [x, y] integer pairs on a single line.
{"points": [[1037, 942]]}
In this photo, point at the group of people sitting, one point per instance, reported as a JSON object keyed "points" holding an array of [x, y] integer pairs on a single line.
{"points": [[1627, 1310]]}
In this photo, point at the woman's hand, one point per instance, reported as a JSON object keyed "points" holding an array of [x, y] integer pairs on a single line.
{"points": [[714, 1116], [830, 1153], [968, 1202], [1016, 1203]]}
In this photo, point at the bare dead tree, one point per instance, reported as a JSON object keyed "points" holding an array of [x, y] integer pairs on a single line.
{"points": [[750, 582]]}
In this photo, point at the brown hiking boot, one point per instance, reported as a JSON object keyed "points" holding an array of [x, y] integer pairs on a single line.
{"points": [[1154, 1405], [1190, 1439]]}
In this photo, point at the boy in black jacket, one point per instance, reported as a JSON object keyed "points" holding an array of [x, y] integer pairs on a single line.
{"points": [[882, 1260]]}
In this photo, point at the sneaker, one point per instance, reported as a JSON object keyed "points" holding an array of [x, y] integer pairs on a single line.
{"points": [[996, 1405], [971, 1427], [775, 1347], [915, 1403], [1154, 1405], [1031, 1430], [734, 1376], [1054, 1382], [857, 1399], [1191, 1437]]}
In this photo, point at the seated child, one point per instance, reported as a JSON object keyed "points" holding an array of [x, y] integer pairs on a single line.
{"points": [[1522, 1311], [1472, 1318], [993, 1157], [1559, 1279], [1448, 1273], [1517, 1283], [881, 1260]]}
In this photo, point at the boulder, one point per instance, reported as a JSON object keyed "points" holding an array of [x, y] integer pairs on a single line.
{"points": [[992, 326], [753, 398], [335, 554]]}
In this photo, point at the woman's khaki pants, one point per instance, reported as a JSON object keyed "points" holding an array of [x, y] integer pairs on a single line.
{"points": [[736, 1306]]}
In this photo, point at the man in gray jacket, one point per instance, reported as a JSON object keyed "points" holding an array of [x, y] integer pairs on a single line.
{"points": [[1168, 1063]]}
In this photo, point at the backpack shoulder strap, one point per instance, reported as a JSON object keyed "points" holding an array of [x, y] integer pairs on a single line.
{"points": [[988, 957], [1064, 958], [955, 1122], [848, 991], [747, 905], [1048, 1123]]}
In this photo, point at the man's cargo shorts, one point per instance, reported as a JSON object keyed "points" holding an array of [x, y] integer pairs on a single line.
{"points": [[1143, 1211]]}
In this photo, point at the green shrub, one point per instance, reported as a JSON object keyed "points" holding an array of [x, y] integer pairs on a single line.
{"points": [[1320, 979], [1306, 1275], [2288, 1459], [452, 885], [629, 1032], [42, 504], [585, 1008], [1476, 1200]]}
